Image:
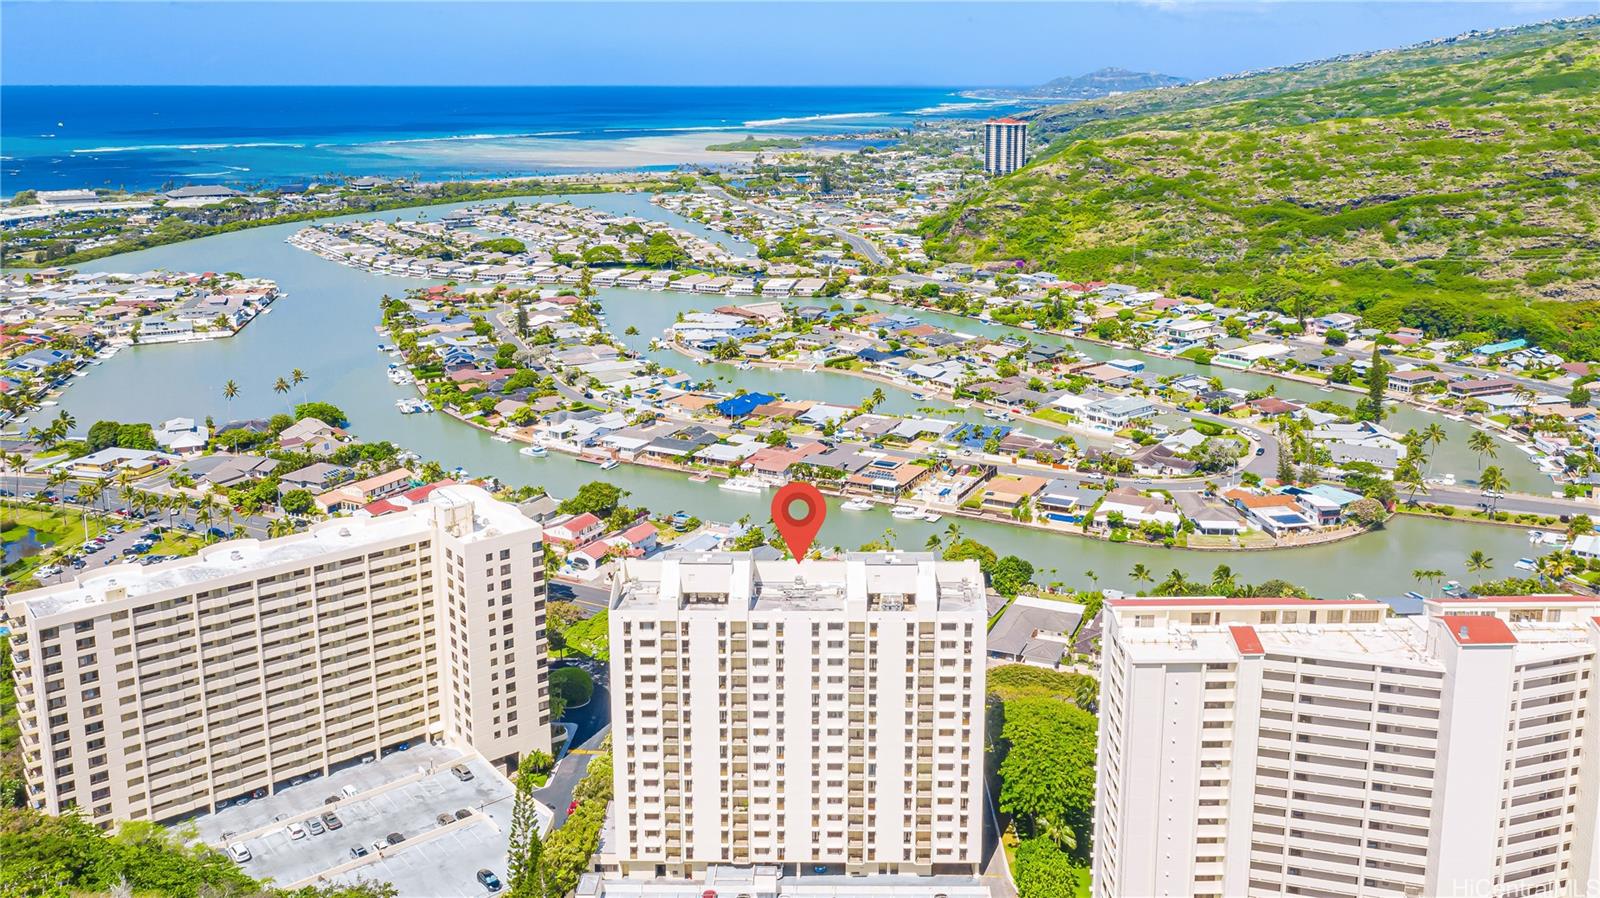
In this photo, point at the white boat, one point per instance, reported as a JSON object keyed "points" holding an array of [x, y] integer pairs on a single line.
{"points": [[609, 464], [1525, 564], [500, 438], [930, 516], [904, 513], [700, 478], [994, 416], [743, 485], [858, 504], [533, 451]]}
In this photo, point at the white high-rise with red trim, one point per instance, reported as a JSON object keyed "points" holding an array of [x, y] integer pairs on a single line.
{"points": [[1267, 747]]}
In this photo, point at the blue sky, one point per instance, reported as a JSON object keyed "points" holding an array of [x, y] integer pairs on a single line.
{"points": [[910, 43]]}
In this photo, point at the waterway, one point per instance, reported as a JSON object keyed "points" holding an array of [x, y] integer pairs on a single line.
{"points": [[324, 326]]}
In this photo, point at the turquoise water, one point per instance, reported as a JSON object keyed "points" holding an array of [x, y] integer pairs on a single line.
{"points": [[151, 137]]}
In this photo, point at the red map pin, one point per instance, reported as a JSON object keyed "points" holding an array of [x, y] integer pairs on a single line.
{"points": [[798, 532]]}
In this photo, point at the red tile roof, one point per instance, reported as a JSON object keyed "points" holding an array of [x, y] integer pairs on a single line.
{"points": [[1246, 640], [1007, 121], [1477, 629]]}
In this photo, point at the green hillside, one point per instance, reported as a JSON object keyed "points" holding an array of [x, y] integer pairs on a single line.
{"points": [[1055, 120], [1459, 197]]}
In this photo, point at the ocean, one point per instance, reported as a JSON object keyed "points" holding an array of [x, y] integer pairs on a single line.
{"points": [[140, 138]]}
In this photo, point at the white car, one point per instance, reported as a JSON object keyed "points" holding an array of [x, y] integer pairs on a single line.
{"points": [[238, 852], [295, 831]]}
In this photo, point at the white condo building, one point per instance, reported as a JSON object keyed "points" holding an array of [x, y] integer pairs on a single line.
{"points": [[788, 717], [1005, 145], [1269, 747], [153, 693]]}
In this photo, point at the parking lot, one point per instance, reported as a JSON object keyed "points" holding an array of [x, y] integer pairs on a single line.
{"points": [[403, 793]]}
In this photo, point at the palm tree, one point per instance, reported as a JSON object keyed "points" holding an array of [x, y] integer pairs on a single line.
{"points": [[1478, 562], [1434, 434], [1494, 482], [1482, 445], [1429, 576], [87, 492], [1555, 567], [14, 461], [1093, 577], [298, 377], [1223, 580], [1140, 574], [66, 421], [1057, 832], [952, 532], [230, 390], [933, 542], [281, 387]]}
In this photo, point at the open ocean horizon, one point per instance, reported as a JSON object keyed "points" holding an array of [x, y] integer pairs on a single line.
{"points": [[148, 137]]}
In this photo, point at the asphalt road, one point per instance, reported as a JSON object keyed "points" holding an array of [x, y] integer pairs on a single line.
{"points": [[594, 722], [590, 598]]}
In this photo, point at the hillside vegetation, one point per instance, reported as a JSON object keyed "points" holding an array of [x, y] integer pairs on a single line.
{"points": [[1460, 198], [1285, 79]]}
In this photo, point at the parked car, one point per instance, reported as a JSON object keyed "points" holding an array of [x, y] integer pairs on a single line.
{"points": [[395, 838], [331, 799], [238, 852], [488, 880], [462, 813], [332, 821], [379, 846], [461, 772], [444, 819], [315, 826], [295, 831], [572, 807], [359, 851]]}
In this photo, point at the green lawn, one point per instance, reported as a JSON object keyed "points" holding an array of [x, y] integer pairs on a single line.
{"points": [[56, 528], [176, 542], [1053, 414]]}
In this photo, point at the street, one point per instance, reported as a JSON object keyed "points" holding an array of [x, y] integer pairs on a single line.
{"points": [[594, 723]]}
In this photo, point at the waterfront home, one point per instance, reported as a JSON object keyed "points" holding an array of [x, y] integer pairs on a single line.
{"points": [[886, 477], [1208, 517], [573, 529], [1117, 412], [1248, 355], [181, 436], [402, 500], [1412, 379], [359, 493], [1137, 510], [1277, 514], [1003, 494], [1481, 387], [1162, 460], [1064, 501], [1324, 504], [312, 435]]}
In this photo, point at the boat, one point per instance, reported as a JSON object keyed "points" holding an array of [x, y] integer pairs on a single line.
{"points": [[533, 451], [858, 504], [700, 478], [1416, 596], [1325, 389], [1525, 564], [919, 396], [994, 415], [930, 516], [904, 513], [500, 438], [743, 485], [1452, 587], [609, 464]]}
